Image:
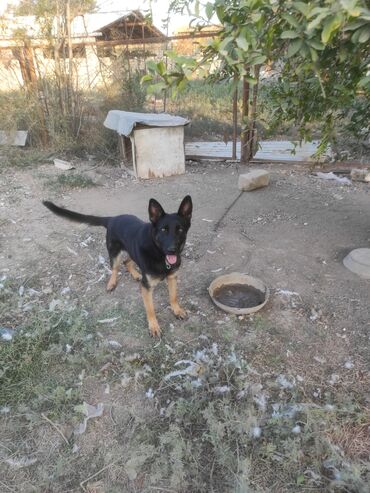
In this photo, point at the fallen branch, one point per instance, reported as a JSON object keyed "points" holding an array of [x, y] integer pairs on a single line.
{"points": [[56, 428], [97, 473]]}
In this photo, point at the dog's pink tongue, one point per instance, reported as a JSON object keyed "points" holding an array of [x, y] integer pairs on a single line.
{"points": [[171, 259]]}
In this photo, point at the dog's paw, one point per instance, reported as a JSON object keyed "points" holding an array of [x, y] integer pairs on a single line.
{"points": [[180, 312], [111, 286], [154, 329]]}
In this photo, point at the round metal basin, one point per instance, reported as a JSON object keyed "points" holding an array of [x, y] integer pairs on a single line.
{"points": [[239, 294]]}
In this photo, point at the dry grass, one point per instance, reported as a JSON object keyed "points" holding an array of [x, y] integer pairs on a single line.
{"points": [[352, 439]]}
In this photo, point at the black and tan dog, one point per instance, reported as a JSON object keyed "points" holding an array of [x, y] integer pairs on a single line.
{"points": [[154, 247]]}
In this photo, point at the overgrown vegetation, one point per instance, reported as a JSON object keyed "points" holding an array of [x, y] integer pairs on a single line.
{"points": [[70, 181], [318, 52]]}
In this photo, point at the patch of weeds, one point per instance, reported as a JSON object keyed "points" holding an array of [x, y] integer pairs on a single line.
{"points": [[38, 366], [202, 436], [221, 427], [23, 158], [68, 181], [260, 323], [124, 321]]}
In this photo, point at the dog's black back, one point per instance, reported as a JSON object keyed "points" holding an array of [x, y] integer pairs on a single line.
{"points": [[155, 246]]}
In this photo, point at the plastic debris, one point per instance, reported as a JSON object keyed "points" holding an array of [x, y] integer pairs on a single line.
{"points": [[286, 292], [113, 343], [196, 383], [64, 165], [149, 393], [333, 379], [133, 358], [348, 364], [315, 314], [90, 412], [193, 369], [261, 401], [285, 411], [333, 176], [6, 334], [284, 382], [55, 304], [21, 462], [256, 432], [222, 389], [108, 320], [125, 380]]}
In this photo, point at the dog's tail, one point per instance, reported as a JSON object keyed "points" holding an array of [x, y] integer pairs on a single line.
{"points": [[76, 216]]}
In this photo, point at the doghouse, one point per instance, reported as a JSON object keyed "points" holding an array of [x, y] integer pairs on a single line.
{"points": [[151, 145]]}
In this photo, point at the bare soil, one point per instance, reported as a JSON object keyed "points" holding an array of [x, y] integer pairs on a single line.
{"points": [[293, 235]]}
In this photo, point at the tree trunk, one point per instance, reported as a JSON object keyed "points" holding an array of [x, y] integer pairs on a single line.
{"points": [[31, 84], [252, 116], [244, 134]]}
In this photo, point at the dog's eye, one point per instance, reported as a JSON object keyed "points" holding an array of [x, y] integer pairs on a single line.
{"points": [[180, 229]]}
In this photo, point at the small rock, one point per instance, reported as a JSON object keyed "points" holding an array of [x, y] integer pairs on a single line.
{"points": [[256, 178]]}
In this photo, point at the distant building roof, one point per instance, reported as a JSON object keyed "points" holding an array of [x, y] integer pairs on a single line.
{"points": [[133, 25]]}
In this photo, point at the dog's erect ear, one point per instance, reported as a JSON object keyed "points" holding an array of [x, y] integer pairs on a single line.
{"points": [[155, 211], [186, 208]]}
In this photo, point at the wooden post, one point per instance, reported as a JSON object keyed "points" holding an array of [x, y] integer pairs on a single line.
{"points": [[235, 116]]}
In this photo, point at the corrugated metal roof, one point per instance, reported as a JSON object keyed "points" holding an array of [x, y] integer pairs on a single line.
{"points": [[275, 150]]}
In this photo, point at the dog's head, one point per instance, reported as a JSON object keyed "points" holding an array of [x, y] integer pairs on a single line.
{"points": [[170, 230]]}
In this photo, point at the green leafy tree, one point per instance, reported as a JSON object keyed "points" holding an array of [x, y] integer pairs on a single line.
{"points": [[325, 71], [319, 49]]}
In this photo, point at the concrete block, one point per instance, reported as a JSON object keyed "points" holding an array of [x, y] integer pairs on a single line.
{"points": [[359, 174], [256, 178]]}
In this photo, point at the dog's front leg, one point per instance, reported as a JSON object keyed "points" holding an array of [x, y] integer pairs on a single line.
{"points": [[147, 294], [172, 290]]}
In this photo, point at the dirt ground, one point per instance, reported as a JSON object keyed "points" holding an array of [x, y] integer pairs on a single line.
{"points": [[294, 234]]}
